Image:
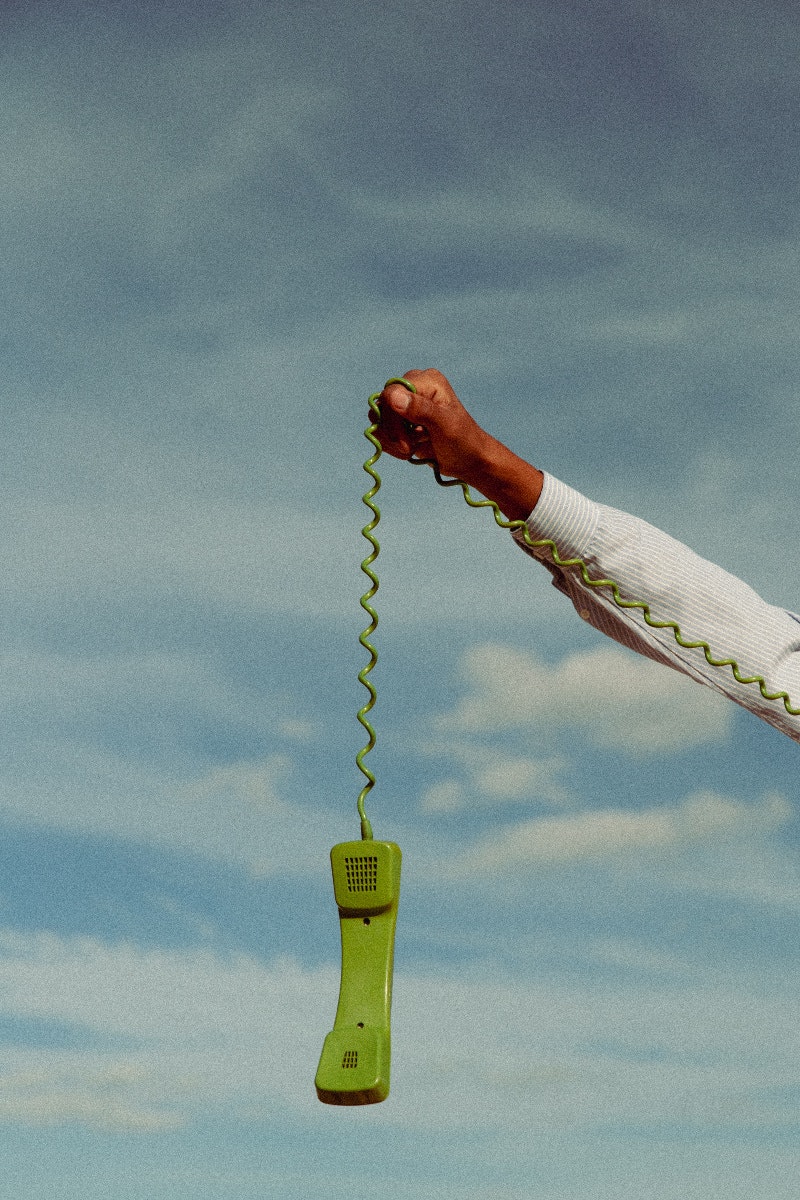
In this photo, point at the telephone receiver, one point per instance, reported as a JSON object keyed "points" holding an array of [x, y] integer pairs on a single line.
{"points": [[355, 1060]]}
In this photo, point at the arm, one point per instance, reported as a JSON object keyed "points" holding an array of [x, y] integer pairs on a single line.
{"points": [[708, 604]]}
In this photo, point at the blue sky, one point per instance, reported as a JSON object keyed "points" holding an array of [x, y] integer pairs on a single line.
{"points": [[224, 225]]}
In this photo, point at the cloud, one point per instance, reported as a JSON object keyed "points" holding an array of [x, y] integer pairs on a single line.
{"points": [[168, 1035], [177, 1038], [604, 835], [179, 265], [252, 784], [236, 812], [493, 777], [616, 699], [519, 777], [446, 796], [556, 1057], [167, 748], [533, 208], [299, 729], [46, 1088]]}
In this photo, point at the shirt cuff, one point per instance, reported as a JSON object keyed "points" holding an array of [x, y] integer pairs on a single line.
{"points": [[563, 516]]}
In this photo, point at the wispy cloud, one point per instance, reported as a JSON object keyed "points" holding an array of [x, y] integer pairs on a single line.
{"points": [[603, 835], [166, 1034], [172, 1036], [615, 698], [493, 777], [238, 812]]}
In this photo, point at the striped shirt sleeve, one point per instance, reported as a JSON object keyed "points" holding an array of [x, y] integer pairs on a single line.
{"points": [[707, 603]]}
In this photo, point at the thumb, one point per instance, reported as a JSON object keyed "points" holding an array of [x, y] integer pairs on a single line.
{"points": [[403, 398], [397, 392]]}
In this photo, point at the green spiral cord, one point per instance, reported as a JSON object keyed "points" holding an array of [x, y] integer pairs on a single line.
{"points": [[366, 603]]}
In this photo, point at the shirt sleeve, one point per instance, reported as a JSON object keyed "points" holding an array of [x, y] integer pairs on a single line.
{"points": [[649, 567]]}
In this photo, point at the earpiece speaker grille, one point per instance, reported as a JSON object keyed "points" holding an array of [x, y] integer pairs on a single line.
{"points": [[350, 1060], [362, 873]]}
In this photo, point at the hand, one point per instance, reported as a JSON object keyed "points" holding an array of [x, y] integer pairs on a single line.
{"points": [[431, 423]]}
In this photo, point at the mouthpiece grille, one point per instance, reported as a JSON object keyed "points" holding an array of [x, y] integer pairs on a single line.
{"points": [[350, 1060]]}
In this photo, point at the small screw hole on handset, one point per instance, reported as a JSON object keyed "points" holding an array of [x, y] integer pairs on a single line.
{"points": [[366, 920], [360, 1024]]}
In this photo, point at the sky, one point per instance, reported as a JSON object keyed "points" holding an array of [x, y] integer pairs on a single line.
{"points": [[224, 226]]}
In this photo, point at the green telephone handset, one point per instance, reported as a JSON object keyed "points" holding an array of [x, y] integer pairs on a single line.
{"points": [[356, 1055]]}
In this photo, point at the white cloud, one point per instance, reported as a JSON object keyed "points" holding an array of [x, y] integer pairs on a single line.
{"points": [[299, 729], [533, 206], [73, 684], [177, 1037], [557, 1056], [234, 813], [612, 833], [493, 777], [103, 1092], [515, 777], [252, 784], [198, 1033], [617, 699], [111, 745], [445, 796]]}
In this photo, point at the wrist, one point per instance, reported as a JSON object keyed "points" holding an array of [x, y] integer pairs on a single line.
{"points": [[502, 476]]}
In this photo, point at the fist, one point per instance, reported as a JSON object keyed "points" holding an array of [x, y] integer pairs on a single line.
{"points": [[429, 423]]}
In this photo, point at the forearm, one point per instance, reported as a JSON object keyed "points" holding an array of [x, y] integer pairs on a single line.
{"points": [[709, 604], [502, 476]]}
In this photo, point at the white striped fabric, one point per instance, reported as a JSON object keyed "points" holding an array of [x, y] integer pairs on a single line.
{"points": [[707, 603]]}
